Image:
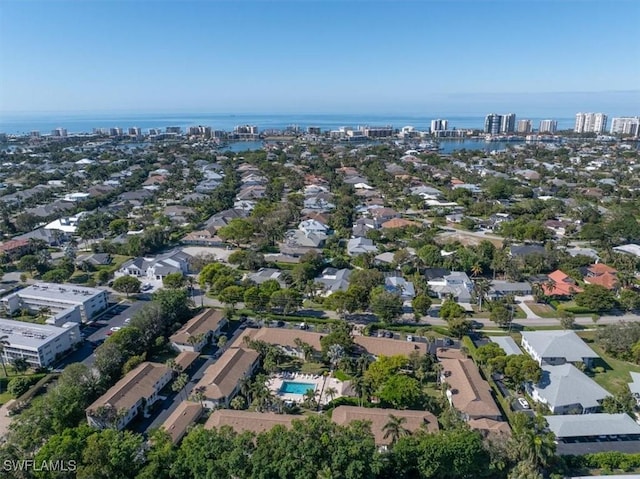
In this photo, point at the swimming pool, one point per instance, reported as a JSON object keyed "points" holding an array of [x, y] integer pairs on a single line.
{"points": [[291, 387]]}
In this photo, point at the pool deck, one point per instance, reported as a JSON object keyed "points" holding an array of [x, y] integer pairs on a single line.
{"points": [[320, 383]]}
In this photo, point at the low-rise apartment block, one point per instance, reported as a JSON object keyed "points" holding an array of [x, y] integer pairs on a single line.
{"points": [[195, 334], [222, 380], [39, 344], [58, 298], [133, 394]]}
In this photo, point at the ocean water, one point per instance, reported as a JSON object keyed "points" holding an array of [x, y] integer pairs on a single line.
{"points": [[85, 123]]}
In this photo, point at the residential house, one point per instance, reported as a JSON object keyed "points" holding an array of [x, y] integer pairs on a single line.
{"points": [[267, 274], [399, 285], [136, 392], [362, 226], [602, 275], [157, 268], [16, 248], [521, 251], [179, 421], [197, 332], [253, 192], [380, 215], [333, 280], [204, 237], [360, 245], [222, 380], [567, 390], [94, 259], [455, 284], [557, 347], [50, 237], [469, 392], [559, 228], [560, 284], [297, 243], [313, 226], [413, 420], [500, 289]]}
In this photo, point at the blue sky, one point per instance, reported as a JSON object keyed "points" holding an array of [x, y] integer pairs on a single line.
{"points": [[451, 56]]}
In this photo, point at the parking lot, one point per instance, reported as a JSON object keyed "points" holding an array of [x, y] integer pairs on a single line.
{"points": [[96, 332]]}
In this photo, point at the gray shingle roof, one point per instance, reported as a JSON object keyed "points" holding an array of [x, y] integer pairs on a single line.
{"points": [[507, 343], [565, 385], [559, 344], [592, 425]]}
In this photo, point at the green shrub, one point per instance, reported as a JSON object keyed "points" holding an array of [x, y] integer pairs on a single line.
{"points": [[18, 386]]}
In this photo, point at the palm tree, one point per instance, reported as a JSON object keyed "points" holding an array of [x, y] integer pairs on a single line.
{"points": [[237, 403], [310, 398], [175, 367], [335, 354], [3, 343], [198, 394], [331, 392], [179, 383], [482, 288], [531, 441], [476, 270], [394, 428]]}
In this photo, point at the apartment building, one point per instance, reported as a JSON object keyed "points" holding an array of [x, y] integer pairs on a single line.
{"points": [[133, 394], [590, 123], [41, 345], [58, 298]]}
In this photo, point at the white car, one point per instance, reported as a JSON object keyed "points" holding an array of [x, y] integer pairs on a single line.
{"points": [[409, 338], [523, 402], [127, 321]]}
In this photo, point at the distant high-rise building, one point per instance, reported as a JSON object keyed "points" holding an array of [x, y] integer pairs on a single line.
{"points": [[154, 131], [548, 126], [523, 126], [314, 130], [492, 123], [377, 131], [174, 129], [439, 125], [34, 134], [590, 123], [625, 126], [508, 123], [115, 131], [59, 132], [135, 131]]}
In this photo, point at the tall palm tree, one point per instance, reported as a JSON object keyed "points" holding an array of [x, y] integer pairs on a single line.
{"points": [[310, 398], [335, 354], [531, 441], [482, 287], [3, 343], [394, 428], [331, 392]]}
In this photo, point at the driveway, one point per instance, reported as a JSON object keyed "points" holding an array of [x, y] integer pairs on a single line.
{"points": [[520, 301]]}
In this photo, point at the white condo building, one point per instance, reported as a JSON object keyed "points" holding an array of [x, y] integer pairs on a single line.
{"points": [[58, 298], [625, 126], [590, 123], [439, 125], [39, 344], [523, 126], [548, 126]]}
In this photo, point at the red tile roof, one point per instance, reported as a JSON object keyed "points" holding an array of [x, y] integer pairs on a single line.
{"points": [[563, 285]]}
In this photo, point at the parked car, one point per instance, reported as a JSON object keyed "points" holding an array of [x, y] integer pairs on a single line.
{"points": [[388, 334], [115, 329], [304, 326], [523, 402], [381, 334], [409, 338], [127, 321]]}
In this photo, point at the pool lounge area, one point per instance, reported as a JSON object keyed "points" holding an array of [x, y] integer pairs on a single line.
{"points": [[291, 387]]}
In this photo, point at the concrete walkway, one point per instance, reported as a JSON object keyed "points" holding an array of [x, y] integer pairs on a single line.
{"points": [[527, 310]]}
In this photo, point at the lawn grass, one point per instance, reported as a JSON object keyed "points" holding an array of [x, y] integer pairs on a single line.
{"points": [[5, 398], [542, 310], [313, 368], [616, 376]]}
